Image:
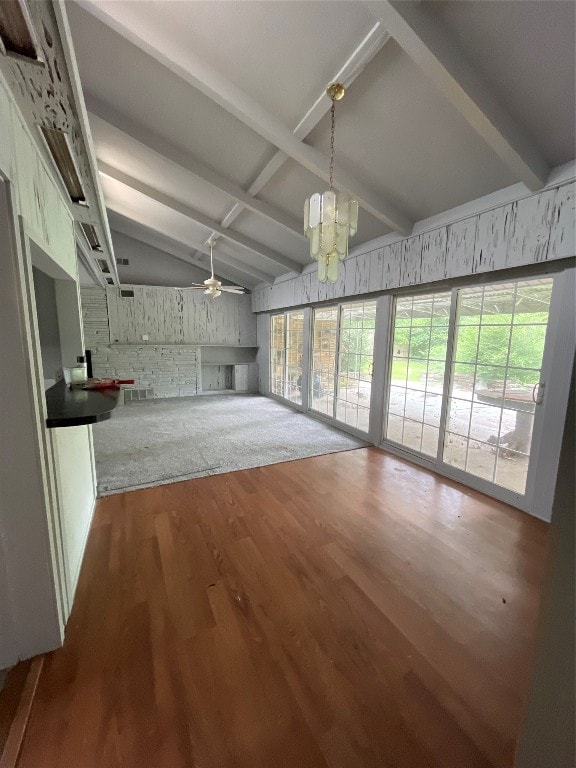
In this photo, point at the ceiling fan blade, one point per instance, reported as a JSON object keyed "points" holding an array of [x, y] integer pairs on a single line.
{"points": [[191, 288], [229, 289]]}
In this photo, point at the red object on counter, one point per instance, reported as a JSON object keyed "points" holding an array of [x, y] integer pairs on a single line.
{"points": [[105, 383]]}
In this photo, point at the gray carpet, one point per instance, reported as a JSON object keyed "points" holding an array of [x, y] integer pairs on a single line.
{"points": [[154, 442]]}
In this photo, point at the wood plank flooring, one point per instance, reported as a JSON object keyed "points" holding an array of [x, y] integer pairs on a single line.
{"points": [[345, 611]]}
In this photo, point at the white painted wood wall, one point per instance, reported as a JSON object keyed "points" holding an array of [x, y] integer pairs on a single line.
{"points": [[47, 488], [535, 229], [169, 316]]}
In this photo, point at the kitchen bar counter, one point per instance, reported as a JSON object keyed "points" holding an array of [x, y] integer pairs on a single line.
{"points": [[73, 407]]}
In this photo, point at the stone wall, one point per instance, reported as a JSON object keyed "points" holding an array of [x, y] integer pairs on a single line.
{"points": [[159, 370]]}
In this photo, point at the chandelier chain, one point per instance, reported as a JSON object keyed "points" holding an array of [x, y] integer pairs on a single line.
{"points": [[333, 116]]}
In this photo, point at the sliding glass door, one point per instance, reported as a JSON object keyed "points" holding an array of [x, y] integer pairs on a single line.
{"points": [[324, 360], [500, 331], [286, 343], [342, 358], [417, 372], [464, 379]]}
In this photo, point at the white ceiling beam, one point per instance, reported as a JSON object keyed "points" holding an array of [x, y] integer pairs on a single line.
{"points": [[426, 42], [191, 213], [190, 68], [166, 242], [160, 146], [372, 43]]}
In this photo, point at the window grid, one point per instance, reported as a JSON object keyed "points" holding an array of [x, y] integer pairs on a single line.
{"points": [[417, 374], [355, 358], [277, 354], [324, 357], [490, 411], [294, 347], [286, 340]]}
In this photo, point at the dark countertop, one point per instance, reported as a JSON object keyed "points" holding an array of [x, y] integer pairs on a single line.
{"points": [[73, 407]]}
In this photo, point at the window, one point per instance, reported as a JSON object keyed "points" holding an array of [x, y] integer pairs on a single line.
{"points": [[342, 354], [294, 344], [417, 372], [277, 355], [324, 348], [355, 356], [470, 404], [499, 343], [286, 342]]}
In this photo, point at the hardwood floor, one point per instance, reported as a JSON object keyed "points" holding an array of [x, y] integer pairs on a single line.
{"points": [[345, 611]]}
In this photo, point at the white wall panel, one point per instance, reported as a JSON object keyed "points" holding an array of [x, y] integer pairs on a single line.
{"points": [[530, 229], [492, 233], [433, 262], [169, 316], [459, 257], [376, 266]]}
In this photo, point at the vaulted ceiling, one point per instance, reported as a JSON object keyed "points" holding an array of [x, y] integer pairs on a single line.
{"points": [[211, 116]]}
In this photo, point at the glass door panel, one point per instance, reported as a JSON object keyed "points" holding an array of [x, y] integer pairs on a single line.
{"points": [[324, 358], [417, 371], [277, 354], [294, 345], [355, 355], [499, 339]]}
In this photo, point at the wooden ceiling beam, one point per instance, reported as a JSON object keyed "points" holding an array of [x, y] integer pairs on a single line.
{"points": [[426, 42], [163, 148], [364, 52], [199, 218], [167, 243], [190, 68]]}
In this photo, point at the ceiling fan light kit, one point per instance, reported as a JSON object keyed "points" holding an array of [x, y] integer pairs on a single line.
{"points": [[212, 286], [332, 217]]}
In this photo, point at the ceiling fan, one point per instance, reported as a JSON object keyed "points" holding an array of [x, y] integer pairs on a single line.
{"points": [[211, 286]]}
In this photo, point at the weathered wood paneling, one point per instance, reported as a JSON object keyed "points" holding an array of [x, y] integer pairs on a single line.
{"points": [[433, 262], [492, 234], [216, 377], [411, 261], [461, 237], [563, 230], [534, 229], [180, 317], [376, 261], [530, 229]]}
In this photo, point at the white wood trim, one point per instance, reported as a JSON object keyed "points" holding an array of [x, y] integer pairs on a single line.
{"points": [[549, 420]]}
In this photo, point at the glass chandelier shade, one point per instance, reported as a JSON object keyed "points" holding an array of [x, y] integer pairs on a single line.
{"points": [[330, 218]]}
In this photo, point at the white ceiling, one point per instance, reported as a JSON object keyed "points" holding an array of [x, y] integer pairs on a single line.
{"points": [[189, 101]]}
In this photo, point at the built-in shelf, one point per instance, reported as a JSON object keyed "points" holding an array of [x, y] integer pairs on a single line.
{"points": [[222, 354], [210, 354]]}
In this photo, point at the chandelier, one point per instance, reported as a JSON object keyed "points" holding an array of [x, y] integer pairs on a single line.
{"points": [[332, 217]]}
